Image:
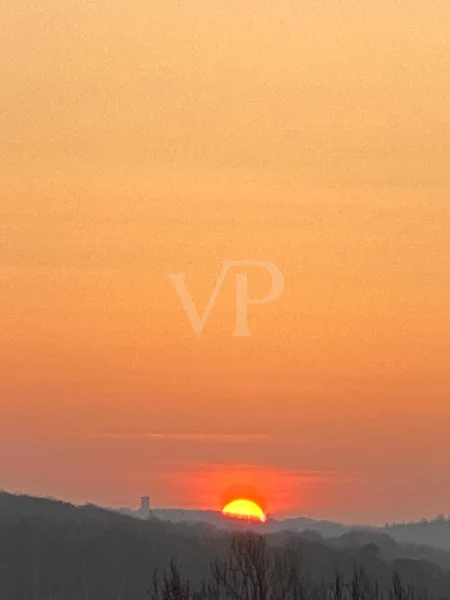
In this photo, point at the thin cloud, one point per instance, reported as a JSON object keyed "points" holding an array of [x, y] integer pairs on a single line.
{"points": [[223, 438]]}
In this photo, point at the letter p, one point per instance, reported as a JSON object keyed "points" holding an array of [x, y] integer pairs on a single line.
{"points": [[242, 300]]}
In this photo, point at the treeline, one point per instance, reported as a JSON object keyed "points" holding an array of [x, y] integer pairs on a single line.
{"points": [[254, 570]]}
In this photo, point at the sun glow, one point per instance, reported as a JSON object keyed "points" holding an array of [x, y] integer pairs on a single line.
{"points": [[244, 509]]}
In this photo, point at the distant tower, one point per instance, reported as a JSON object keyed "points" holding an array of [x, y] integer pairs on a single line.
{"points": [[144, 511]]}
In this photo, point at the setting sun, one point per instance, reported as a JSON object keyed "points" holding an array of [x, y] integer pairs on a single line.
{"points": [[244, 509]]}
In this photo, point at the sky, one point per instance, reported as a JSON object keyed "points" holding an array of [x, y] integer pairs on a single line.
{"points": [[142, 139]]}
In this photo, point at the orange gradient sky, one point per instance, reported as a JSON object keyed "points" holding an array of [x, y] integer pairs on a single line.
{"points": [[146, 138]]}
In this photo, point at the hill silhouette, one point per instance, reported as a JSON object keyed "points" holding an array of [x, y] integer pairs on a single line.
{"points": [[52, 549]]}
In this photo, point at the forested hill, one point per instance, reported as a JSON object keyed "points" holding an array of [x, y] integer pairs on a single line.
{"points": [[435, 532], [53, 550], [50, 549]]}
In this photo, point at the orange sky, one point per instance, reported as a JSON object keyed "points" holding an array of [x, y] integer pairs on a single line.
{"points": [[147, 138]]}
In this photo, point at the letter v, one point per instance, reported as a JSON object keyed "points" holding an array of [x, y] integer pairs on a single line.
{"points": [[197, 322]]}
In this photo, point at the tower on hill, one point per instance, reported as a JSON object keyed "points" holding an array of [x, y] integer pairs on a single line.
{"points": [[144, 510]]}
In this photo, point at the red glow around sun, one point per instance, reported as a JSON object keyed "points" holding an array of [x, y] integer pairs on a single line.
{"points": [[244, 509]]}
